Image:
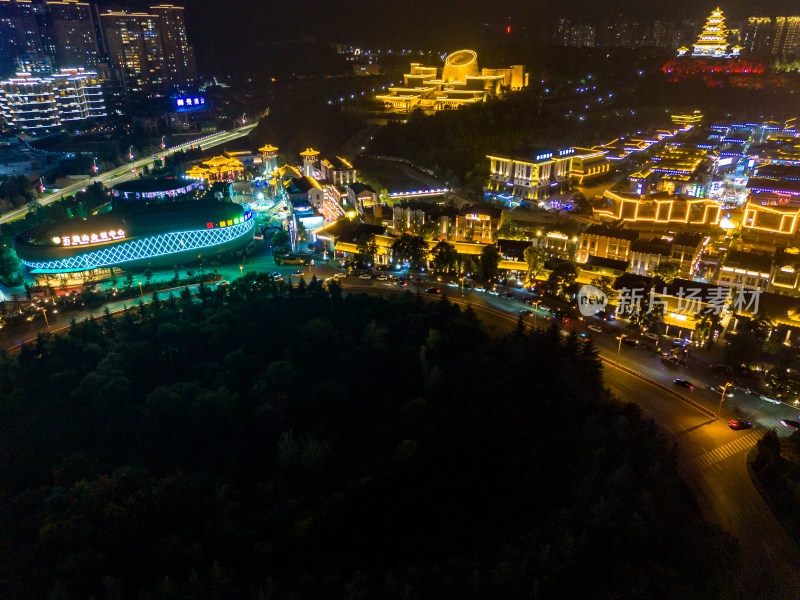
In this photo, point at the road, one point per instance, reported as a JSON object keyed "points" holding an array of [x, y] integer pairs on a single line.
{"points": [[712, 457], [123, 173]]}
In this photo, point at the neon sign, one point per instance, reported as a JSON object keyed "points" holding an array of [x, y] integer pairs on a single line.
{"points": [[185, 102], [90, 238]]}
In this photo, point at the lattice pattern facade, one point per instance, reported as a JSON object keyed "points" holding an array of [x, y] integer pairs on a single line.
{"points": [[148, 247]]}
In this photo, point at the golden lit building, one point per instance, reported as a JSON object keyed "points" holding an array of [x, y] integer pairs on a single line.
{"points": [[660, 210], [713, 40], [219, 168], [603, 241], [461, 82], [532, 173], [588, 164]]}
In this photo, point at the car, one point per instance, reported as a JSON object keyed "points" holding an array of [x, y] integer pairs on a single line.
{"points": [[432, 290], [632, 342], [790, 423], [298, 272], [382, 277], [525, 312], [223, 283], [277, 277], [339, 275], [683, 383], [739, 424], [651, 336], [560, 316], [365, 276], [719, 389], [596, 327], [770, 399], [401, 282]]}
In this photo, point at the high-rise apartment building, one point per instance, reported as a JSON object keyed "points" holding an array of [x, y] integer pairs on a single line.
{"points": [[179, 62], [151, 50], [787, 35], [72, 27], [757, 35], [134, 46], [19, 31], [37, 105]]}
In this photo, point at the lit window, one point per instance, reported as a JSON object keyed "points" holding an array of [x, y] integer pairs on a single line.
{"points": [[209, 225]]}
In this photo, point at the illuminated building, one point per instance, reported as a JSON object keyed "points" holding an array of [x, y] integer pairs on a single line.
{"points": [[533, 173], [269, 158], [757, 35], [337, 171], [361, 196], [179, 63], [310, 157], [745, 270], [139, 190], [787, 35], [74, 33], [218, 168], [713, 40], [19, 32], [694, 118], [677, 170], [461, 82], [162, 235], [588, 164], [605, 242], [660, 210], [150, 49], [39, 105]]}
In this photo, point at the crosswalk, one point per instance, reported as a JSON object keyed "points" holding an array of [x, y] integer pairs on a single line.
{"points": [[716, 455]]}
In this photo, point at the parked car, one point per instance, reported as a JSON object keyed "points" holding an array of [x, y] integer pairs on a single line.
{"points": [[739, 424], [683, 383], [365, 276], [651, 336], [596, 327]]}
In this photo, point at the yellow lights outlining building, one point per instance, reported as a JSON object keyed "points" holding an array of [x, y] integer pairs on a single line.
{"points": [[462, 82], [532, 173], [589, 164], [661, 209], [781, 220], [219, 168], [713, 40]]}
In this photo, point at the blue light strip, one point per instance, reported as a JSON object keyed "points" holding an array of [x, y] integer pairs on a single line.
{"points": [[149, 247]]}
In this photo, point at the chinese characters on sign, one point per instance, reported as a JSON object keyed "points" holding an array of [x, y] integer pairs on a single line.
{"points": [[92, 238], [688, 301]]}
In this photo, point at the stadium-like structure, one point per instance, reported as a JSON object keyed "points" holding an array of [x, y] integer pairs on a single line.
{"points": [[156, 236]]}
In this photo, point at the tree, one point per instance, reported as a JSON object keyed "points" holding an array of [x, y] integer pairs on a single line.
{"points": [[604, 283], [490, 259], [562, 277], [411, 248], [9, 262], [534, 257], [429, 229], [667, 271], [366, 250], [148, 275], [445, 257], [280, 239]]}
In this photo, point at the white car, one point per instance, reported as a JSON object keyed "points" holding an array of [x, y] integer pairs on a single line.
{"points": [[651, 336], [596, 327], [382, 277], [365, 276], [771, 400]]}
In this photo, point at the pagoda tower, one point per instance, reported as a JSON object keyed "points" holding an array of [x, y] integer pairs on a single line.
{"points": [[310, 157], [713, 40], [269, 158]]}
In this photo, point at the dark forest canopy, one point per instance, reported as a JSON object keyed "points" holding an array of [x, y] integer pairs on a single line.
{"points": [[276, 443]]}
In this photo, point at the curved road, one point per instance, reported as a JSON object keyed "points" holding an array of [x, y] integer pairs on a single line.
{"points": [[123, 173]]}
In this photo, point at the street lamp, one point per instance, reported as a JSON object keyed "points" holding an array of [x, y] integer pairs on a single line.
{"points": [[241, 270], [44, 312], [619, 347], [535, 308], [722, 398], [141, 292]]}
